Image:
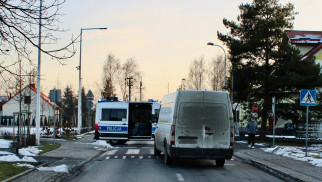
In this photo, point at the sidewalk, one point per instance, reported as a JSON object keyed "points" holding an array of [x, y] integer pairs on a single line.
{"points": [[283, 167], [73, 154]]}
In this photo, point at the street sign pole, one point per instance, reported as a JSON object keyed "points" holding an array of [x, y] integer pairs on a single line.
{"points": [[306, 133], [273, 108], [307, 98]]}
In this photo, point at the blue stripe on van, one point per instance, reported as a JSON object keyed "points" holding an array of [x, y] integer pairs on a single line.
{"points": [[119, 129]]}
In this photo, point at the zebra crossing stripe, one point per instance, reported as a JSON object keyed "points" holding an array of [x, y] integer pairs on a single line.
{"points": [[115, 157], [141, 157], [151, 151], [111, 152], [108, 157], [124, 157], [132, 151], [132, 157]]}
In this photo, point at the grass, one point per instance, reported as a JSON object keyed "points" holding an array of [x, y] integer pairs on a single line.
{"points": [[9, 169], [46, 147]]}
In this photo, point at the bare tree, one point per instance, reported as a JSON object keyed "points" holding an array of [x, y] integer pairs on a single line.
{"points": [[111, 71], [197, 74], [19, 32], [129, 69], [217, 73]]}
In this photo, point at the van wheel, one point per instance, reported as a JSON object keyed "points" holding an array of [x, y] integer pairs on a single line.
{"points": [[156, 151], [122, 142], [114, 142], [167, 159], [220, 162]]}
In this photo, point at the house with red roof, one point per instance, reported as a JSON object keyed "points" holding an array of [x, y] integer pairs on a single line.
{"points": [[308, 42], [28, 96]]}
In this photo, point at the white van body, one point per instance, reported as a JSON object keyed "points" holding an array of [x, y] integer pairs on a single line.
{"points": [[196, 125], [119, 121]]}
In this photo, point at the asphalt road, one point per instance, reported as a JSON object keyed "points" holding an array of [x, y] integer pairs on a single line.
{"points": [[135, 162]]}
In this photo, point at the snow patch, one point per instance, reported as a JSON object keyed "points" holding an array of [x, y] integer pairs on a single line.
{"points": [[30, 151], [102, 143], [25, 165], [5, 143], [60, 169], [14, 158]]}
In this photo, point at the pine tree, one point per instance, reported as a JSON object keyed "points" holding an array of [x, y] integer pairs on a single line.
{"points": [[108, 89], [69, 104], [264, 64]]}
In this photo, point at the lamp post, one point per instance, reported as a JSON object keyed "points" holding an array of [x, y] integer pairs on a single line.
{"points": [[212, 44], [80, 78]]}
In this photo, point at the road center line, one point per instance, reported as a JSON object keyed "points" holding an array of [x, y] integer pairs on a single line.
{"points": [[179, 176]]}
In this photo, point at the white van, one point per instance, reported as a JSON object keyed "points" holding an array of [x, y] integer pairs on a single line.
{"points": [[119, 121], [195, 125]]}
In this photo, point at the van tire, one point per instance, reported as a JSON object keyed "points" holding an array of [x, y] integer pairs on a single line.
{"points": [[220, 162], [167, 159], [156, 151], [114, 142]]}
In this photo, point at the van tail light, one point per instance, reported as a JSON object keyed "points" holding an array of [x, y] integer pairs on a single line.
{"points": [[96, 127], [231, 135], [172, 134]]}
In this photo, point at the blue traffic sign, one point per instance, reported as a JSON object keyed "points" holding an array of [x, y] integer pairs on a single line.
{"points": [[308, 98]]}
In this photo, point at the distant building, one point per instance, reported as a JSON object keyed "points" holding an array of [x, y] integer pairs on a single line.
{"points": [[308, 42], [28, 97]]}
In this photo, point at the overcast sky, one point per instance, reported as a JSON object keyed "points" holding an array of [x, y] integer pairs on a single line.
{"points": [[163, 36]]}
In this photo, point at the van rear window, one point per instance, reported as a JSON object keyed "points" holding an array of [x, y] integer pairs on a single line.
{"points": [[113, 115]]}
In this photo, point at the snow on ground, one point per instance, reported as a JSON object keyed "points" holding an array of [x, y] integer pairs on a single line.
{"points": [[14, 158], [61, 168], [30, 151], [314, 154], [102, 143], [25, 165], [5, 143]]}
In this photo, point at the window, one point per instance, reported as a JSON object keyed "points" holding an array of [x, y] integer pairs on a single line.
{"points": [[113, 114]]}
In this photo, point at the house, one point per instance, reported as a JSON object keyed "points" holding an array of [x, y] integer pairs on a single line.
{"points": [[308, 42], [28, 96]]}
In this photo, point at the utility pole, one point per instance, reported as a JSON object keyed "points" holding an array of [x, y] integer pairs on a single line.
{"points": [[130, 83]]}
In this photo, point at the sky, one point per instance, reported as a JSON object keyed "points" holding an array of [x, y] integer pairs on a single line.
{"points": [[163, 36]]}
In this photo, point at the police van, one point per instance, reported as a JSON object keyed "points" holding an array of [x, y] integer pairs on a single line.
{"points": [[121, 121]]}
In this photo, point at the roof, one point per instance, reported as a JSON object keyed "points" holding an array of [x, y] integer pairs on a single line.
{"points": [[304, 37], [42, 95]]}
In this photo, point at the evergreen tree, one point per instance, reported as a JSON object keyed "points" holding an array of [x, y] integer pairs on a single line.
{"points": [[108, 89], [264, 64], [84, 108], [69, 104]]}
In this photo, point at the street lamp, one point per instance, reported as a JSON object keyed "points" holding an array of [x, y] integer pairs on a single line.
{"points": [[80, 74], [212, 44]]}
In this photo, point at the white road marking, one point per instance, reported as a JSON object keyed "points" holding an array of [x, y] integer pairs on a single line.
{"points": [[111, 152], [133, 151], [149, 157], [108, 157], [124, 157], [115, 157], [151, 151], [179, 176], [141, 157], [132, 157]]}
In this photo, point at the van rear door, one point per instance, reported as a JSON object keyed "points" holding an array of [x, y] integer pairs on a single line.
{"points": [[202, 121], [114, 121]]}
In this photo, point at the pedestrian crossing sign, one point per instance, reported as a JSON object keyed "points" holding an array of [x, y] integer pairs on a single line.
{"points": [[308, 98]]}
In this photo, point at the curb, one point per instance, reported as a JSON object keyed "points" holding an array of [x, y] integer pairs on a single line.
{"points": [[270, 170], [80, 165], [24, 173]]}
